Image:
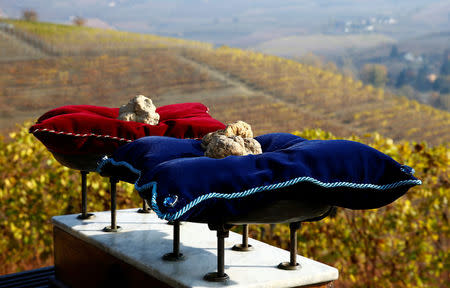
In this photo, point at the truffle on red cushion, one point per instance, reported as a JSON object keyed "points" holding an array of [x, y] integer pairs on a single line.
{"points": [[93, 131]]}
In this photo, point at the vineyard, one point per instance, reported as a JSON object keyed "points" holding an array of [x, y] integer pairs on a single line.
{"points": [[335, 97], [325, 99], [74, 40], [278, 116], [404, 244], [29, 88]]}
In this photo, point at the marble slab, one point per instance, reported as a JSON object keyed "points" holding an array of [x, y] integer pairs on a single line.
{"points": [[144, 239]]}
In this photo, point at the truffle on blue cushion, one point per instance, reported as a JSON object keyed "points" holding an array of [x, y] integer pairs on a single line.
{"points": [[294, 179]]}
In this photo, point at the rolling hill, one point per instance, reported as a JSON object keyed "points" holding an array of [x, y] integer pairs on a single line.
{"points": [[320, 44], [105, 67]]}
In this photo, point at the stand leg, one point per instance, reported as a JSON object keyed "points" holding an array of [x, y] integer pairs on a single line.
{"points": [[175, 255], [220, 275], [113, 227], [244, 246], [145, 208], [84, 215], [292, 264]]}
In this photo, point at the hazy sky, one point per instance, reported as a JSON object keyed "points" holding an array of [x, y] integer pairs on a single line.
{"points": [[214, 20]]}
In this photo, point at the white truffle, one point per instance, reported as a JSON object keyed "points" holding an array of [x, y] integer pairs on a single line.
{"points": [[236, 139], [239, 128], [223, 146], [252, 146], [139, 109]]}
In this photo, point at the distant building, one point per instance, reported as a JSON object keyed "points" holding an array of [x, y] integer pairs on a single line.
{"points": [[410, 57], [370, 28], [392, 21], [432, 77]]}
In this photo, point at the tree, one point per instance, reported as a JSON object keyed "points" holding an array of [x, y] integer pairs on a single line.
{"points": [[348, 68], [445, 68], [442, 84], [407, 91], [374, 74], [422, 82], [331, 66], [394, 52], [29, 15], [312, 60], [406, 77], [78, 21], [444, 101]]}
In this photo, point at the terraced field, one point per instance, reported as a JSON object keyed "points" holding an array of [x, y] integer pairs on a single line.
{"points": [[338, 99], [74, 40], [173, 70], [279, 116], [29, 88], [13, 49]]}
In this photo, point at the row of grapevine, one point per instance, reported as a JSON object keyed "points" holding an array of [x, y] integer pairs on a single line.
{"points": [[327, 94], [58, 39], [29, 88]]}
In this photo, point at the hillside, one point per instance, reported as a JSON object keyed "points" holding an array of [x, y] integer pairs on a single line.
{"points": [[76, 40], [322, 44], [236, 84], [13, 49], [428, 44]]}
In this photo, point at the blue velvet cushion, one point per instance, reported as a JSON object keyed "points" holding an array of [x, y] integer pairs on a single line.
{"points": [[182, 184]]}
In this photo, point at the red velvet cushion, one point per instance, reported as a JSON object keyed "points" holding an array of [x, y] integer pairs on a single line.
{"points": [[85, 129]]}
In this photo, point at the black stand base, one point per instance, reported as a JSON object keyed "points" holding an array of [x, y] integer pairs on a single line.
{"points": [[222, 233], [145, 208], [242, 248], [109, 229], [288, 266], [292, 264], [144, 211], [215, 277], [113, 227], [86, 216], [173, 257]]}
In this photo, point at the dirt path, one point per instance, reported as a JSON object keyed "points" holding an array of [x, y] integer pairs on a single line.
{"points": [[231, 87], [238, 87], [218, 75]]}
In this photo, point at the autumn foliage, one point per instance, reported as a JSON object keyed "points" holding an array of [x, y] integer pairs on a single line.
{"points": [[402, 245]]}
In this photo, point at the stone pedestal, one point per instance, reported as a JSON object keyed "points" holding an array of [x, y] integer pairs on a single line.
{"points": [[85, 256]]}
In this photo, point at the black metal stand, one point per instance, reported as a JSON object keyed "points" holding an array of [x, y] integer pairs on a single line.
{"points": [[113, 227], [222, 233], [244, 246], [292, 264], [145, 208], [84, 215], [175, 255]]}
